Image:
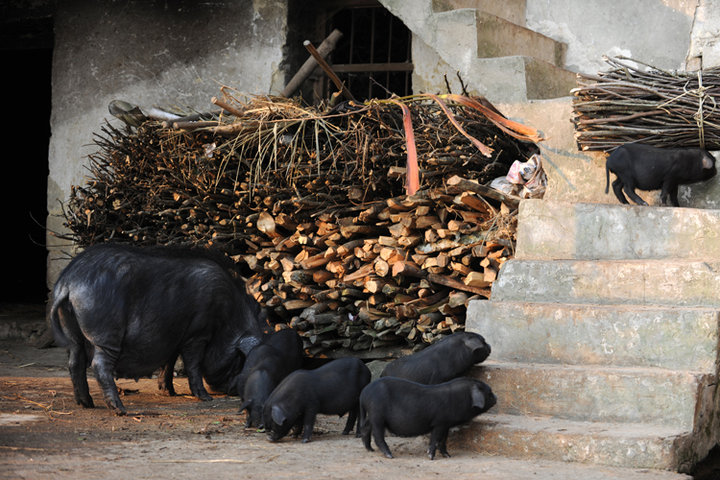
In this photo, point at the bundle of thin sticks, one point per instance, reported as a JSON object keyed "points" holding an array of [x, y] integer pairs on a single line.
{"points": [[635, 102]]}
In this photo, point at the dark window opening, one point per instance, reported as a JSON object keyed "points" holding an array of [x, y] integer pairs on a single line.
{"points": [[373, 57]]}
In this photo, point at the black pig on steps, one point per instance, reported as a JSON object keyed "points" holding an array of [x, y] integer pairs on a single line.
{"points": [[651, 168], [279, 354], [130, 310], [443, 360], [409, 409], [333, 389]]}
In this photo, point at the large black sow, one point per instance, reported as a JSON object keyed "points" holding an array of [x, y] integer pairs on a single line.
{"points": [[129, 310]]}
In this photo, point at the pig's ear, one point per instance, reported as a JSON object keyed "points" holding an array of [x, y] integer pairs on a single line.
{"points": [[478, 398], [708, 161], [244, 406], [277, 415]]}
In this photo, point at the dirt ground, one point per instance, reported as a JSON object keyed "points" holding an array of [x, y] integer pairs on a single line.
{"points": [[45, 435]]}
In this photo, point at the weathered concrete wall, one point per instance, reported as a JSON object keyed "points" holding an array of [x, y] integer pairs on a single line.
{"points": [[654, 31], [705, 39], [152, 54]]}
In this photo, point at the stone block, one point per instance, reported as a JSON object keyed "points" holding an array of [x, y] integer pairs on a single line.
{"points": [[612, 335]]}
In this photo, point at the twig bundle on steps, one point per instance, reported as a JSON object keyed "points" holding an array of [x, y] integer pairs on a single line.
{"points": [[630, 103]]}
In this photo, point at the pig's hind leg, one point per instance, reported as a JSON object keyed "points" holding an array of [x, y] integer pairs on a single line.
{"points": [[363, 428], [629, 189], [77, 365], [378, 432], [103, 365], [618, 189]]}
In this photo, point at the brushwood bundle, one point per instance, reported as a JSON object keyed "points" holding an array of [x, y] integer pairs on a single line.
{"points": [[635, 102], [314, 206]]}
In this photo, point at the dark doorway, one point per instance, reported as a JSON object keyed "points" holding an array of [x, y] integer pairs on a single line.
{"points": [[26, 54]]}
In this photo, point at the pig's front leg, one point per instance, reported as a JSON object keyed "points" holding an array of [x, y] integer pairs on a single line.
{"points": [[352, 416], [166, 377], [308, 424], [438, 436], [192, 358]]}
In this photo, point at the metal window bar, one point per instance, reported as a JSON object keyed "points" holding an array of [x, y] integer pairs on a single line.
{"points": [[352, 73]]}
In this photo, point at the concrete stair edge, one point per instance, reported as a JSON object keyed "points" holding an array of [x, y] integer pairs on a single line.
{"points": [[598, 394], [682, 283], [683, 338], [614, 444], [551, 229]]}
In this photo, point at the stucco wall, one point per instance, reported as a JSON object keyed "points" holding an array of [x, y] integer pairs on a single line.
{"points": [[654, 31], [152, 54], [705, 40]]}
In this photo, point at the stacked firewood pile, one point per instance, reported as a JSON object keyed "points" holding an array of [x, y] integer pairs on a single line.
{"points": [[635, 102], [313, 206], [401, 270]]}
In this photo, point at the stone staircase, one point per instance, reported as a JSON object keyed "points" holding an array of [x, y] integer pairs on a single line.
{"points": [[488, 44], [604, 330]]}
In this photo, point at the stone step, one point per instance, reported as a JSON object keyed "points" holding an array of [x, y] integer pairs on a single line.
{"points": [[557, 230], [611, 335], [681, 283], [613, 444], [521, 73], [598, 394], [490, 36]]}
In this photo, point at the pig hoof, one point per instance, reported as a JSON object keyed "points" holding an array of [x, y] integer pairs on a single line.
{"points": [[305, 440], [205, 397], [388, 455]]}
